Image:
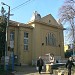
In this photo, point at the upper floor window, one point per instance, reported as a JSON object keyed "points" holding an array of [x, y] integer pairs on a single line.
{"points": [[11, 36], [25, 41], [50, 39], [12, 40]]}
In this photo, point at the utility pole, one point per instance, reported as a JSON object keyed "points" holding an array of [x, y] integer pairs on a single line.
{"points": [[6, 42], [8, 17], [6, 46]]}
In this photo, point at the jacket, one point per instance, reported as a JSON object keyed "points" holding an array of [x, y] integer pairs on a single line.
{"points": [[69, 64], [40, 62]]}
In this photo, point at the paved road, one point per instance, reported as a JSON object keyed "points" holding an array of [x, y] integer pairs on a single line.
{"points": [[26, 70]]}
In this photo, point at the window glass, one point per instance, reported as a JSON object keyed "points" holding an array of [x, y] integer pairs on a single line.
{"points": [[51, 39], [25, 35], [25, 41], [11, 36]]}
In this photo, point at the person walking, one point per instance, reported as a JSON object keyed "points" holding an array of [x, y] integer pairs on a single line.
{"points": [[40, 64], [69, 65]]}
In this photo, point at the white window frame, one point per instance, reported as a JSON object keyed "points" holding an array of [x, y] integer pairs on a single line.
{"points": [[26, 43]]}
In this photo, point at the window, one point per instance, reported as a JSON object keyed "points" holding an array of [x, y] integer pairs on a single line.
{"points": [[11, 36], [25, 41], [50, 39], [11, 39]]}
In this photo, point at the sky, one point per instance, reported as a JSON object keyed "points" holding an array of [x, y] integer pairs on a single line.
{"points": [[24, 12]]}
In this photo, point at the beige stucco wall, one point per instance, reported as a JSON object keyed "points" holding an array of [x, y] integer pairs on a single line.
{"points": [[40, 37], [24, 57]]}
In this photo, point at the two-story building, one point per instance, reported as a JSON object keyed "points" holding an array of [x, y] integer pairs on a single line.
{"points": [[41, 35]]}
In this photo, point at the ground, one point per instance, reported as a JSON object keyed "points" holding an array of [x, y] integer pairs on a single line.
{"points": [[31, 70]]}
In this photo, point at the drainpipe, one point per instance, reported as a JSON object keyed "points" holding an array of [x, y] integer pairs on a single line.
{"points": [[18, 45]]}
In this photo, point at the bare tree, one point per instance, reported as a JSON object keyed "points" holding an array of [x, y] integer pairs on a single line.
{"points": [[67, 15]]}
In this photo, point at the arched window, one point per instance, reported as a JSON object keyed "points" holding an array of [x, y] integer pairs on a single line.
{"points": [[51, 39]]}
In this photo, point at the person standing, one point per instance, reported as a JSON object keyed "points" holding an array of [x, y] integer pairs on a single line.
{"points": [[69, 65], [52, 61], [40, 64]]}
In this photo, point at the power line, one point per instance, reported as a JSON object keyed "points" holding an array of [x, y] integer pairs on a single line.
{"points": [[21, 5]]}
